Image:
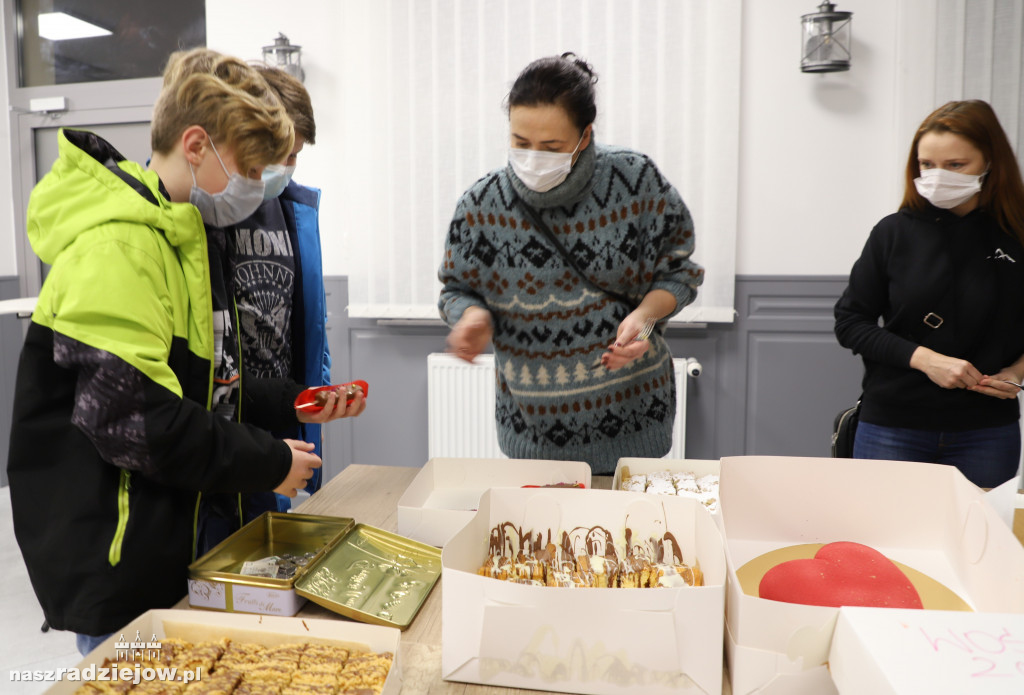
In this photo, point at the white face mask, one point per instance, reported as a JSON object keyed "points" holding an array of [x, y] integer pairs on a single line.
{"points": [[275, 179], [541, 171], [946, 189], [239, 199]]}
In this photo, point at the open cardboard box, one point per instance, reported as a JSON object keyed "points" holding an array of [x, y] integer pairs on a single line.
{"points": [[605, 641], [445, 494], [196, 626], [926, 516], [906, 652], [699, 467]]}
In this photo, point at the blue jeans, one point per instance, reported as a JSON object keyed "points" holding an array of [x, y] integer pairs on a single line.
{"points": [[987, 457], [86, 643]]}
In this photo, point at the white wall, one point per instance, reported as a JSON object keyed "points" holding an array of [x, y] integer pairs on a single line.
{"points": [[821, 156], [242, 29]]}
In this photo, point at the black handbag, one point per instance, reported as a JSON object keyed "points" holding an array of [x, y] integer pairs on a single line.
{"points": [[844, 428]]}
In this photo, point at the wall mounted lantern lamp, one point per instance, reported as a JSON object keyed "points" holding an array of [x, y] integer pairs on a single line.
{"points": [[826, 40], [281, 54]]}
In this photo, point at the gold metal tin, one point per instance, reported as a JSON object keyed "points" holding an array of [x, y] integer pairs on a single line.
{"points": [[271, 533], [373, 576], [359, 571]]}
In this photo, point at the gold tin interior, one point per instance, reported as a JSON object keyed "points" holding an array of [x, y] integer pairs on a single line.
{"points": [[271, 533], [373, 576]]}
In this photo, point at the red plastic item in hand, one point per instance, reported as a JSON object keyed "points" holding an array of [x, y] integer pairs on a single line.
{"points": [[308, 399]]}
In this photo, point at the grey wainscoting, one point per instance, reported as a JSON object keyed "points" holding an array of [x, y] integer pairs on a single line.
{"points": [[771, 382], [12, 334]]}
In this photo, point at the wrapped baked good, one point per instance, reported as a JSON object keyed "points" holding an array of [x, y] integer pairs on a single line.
{"points": [[635, 572], [634, 483], [671, 575], [660, 486], [685, 482]]}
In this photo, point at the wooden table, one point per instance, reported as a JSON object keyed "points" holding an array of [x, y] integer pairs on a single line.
{"points": [[369, 494]]}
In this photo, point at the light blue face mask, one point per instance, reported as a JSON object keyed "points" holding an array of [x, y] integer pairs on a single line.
{"points": [[239, 199], [275, 179]]}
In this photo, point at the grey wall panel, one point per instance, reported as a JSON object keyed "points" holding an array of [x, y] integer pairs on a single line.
{"points": [[393, 430], [337, 436], [797, 383], [12, 335], [797, 375]]}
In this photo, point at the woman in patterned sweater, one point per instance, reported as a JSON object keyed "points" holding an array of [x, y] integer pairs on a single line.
{"points": [[572, 383]]}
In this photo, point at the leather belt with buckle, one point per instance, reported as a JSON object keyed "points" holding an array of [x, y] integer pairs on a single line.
{"points": [[932, 320]]}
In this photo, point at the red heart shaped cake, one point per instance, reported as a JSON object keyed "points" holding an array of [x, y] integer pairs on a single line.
{"points": [[841, 574]]}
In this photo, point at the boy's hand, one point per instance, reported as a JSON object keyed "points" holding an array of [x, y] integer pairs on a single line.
{"points": [[336, 405], [303, 464]]}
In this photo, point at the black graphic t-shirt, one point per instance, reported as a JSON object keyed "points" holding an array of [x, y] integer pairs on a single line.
{"points": [[263, 275], [225, 368]]}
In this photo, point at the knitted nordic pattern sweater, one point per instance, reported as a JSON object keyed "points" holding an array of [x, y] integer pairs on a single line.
{"points": [[628, 229]]}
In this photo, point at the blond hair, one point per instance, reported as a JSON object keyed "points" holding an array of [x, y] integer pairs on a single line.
{"points": [[229, 100], [294, 97]]}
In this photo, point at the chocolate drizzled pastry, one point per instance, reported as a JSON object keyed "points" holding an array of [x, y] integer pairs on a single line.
{"points": [[586, 557]]}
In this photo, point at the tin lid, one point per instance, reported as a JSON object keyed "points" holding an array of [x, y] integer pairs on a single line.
{"points": [[271, 535], [373, 576]]}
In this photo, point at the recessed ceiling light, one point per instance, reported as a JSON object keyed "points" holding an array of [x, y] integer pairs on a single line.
{"points": [[59, 26]]}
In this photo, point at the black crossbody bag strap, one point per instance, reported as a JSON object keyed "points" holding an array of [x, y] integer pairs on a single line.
{"points": [[927, 330], [933, 320], [544, 229]]}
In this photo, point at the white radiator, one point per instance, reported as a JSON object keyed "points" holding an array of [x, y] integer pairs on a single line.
{"points": [[460, 407]]}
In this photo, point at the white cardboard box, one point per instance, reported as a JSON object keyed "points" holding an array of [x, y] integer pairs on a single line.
{"points": [[699, 467], [601, 641], [907, 652], [262, 629], [926, 516], [445, 494]]}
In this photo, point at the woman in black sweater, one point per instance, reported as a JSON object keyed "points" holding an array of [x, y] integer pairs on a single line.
{"points": [[935, 304]]}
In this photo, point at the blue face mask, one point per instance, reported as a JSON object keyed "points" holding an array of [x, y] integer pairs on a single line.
{"points": [[236, 202], [275, 179]]}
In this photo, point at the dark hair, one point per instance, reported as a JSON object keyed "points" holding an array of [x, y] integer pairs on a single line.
{"points": [[1002, 193], [564, 80], [294, 98]]}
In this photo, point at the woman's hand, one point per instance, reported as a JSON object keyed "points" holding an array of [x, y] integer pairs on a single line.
{"points": [[625, 349], [336, 406], [995, 385], [304, 462], [471, 333], [947, 372]]}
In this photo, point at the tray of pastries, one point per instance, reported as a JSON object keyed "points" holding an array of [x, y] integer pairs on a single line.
{"points": [[202, 653]]}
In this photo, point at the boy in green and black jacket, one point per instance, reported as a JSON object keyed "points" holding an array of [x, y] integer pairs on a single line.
{"points": [[113, 432]]}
